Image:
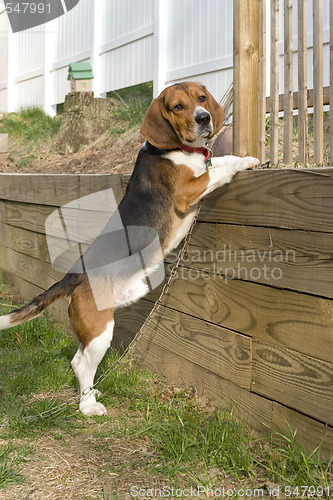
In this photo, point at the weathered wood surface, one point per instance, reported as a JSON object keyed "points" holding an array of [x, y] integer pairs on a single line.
{"points": [[293, 379], [274, 82], [310, 432], [296, 260], [300, 322], [245, 77], [56, 190], [288, 82], [292, 199], [265, 344]]}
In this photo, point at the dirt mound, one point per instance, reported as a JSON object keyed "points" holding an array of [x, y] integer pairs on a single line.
{"points": [[106, 155]]}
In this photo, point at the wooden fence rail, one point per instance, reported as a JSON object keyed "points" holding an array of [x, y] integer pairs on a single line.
{"points": [[250, 315], [250, 71]]}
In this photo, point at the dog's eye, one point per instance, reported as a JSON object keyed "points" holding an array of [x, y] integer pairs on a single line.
{"points": [[178, 107], [202, 98]]}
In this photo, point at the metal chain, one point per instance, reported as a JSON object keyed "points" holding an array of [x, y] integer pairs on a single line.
{"points": [[165, 290]]}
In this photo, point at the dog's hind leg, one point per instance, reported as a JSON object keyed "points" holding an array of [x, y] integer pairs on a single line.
{"points": [[84, 364], [94, 330]]}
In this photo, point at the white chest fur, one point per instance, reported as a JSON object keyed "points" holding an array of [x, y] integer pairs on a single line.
{"points": [[194, 161]]}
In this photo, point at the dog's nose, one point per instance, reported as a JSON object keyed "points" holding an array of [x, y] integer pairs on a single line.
{"points": [[203, 118]]}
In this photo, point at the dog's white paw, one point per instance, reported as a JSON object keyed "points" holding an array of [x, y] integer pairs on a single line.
{"points": [[247, 162], [93, 409]]}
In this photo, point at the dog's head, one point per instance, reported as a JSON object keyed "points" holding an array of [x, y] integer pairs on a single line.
{"points": [[182, 114]]}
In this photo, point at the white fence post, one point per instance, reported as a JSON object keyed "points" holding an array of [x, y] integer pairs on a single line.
{"points": [[159, 45], [96, 57], [12, 89], [49, 58]]}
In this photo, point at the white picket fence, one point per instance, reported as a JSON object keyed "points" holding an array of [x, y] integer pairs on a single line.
{"points": [[129, 42]]}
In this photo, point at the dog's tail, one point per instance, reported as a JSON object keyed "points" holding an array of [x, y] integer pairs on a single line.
{"points": [[62, 288]]}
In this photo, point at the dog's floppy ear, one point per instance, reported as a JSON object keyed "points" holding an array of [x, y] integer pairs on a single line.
{"points": [[216, 111], [157, 129]]}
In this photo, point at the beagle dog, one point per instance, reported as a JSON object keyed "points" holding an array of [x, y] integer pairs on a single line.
{"points": [[171, 175]]}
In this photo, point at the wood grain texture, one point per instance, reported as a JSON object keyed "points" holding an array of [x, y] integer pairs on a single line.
{"points": [[23, 241], [55, 190], [293, 199], [32, 270], [288, 82], [261, 154], [245, 77], [309, 433], [295, 260], [302, 103], [274, 82], [318, 112], [256, 410], [294, 380], [303, 323], [225, 352]]}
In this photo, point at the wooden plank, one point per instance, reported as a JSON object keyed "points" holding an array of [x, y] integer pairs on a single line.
{"points": [[318, 81], [284, 258], [274, 84], [27, 216], [55, 190], [309, 433], [303, 323], [302, 103], [261, 154], [256, 410], [27, 242], [32, 270], [296, 99], [300, 382], [294, 199], [331, 82], [245, 77], [288, 82], [223, 352]]}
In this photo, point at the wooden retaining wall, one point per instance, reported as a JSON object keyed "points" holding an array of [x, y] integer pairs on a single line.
{"points": [[262, 341]]}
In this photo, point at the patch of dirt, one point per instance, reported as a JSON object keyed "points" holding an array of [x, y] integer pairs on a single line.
{"points": [[81, 466], [107, 155]]}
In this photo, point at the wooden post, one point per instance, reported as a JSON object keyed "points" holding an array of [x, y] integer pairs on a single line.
{"points": [[331, 82], [274, 87], [302, 83], [262, 83], [245, 75], [318, 113], [288, 82]]}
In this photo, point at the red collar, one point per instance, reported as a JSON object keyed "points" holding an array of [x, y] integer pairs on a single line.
{"points": [[202, 150]]}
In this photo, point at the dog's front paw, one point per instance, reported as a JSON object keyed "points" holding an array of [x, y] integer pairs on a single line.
{"points": [[93, 408], [247, 162]]}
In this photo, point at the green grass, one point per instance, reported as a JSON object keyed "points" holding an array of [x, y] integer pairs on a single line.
{"points": [[184, 442], [131, 105], [30, 125]]}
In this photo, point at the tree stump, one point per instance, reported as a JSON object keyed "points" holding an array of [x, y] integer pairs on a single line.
{"points": [[85, 119]]}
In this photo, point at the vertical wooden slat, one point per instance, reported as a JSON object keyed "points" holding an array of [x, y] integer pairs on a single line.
{"points": [[318, 81], [262, 82], [288, 82], [274, 86], [302, 82], [245, 75], [331, 82]]}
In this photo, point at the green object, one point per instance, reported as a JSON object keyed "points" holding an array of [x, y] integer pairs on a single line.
{"points": [[80, 71]]}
